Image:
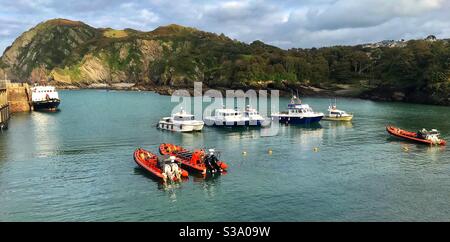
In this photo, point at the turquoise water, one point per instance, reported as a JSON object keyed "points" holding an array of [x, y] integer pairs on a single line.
{"points": [[77, 165]]}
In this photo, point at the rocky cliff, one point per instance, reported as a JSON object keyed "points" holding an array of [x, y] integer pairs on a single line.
{"points": [[73, 53]]}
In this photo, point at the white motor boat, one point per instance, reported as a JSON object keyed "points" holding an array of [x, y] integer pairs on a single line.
{"points": [[181, 122], [234, 118]]}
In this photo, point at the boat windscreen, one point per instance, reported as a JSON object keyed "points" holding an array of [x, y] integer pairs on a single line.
{"points": [[184, 118]]}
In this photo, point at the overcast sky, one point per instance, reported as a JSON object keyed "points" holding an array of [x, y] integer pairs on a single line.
{"points": [[287, 24]]}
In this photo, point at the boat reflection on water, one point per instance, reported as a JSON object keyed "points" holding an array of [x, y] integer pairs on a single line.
{"points": [[434, 152], [45, 134], [422, 153], [314, 130], [209, 184], [239, 133], [419, 156], [192, 139], [336, 129], [343, 125], [169, 187]]}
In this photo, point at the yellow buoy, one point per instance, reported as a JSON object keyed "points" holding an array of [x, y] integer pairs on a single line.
{"points": [[244, 152], [269, 151], [316, 149]]}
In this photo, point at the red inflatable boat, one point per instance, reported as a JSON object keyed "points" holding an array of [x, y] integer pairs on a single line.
{"points": [[428, 137], [149, 162], [191, 159]]}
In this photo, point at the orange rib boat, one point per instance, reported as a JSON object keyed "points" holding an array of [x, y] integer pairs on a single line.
{"points": [[149, 162], [191, 159], [413, 136]]}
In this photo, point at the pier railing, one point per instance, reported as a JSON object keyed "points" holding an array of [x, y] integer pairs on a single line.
{"points": [[4, 108]]}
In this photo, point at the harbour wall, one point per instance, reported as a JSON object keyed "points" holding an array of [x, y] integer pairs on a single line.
{"points": [[19, 97]]}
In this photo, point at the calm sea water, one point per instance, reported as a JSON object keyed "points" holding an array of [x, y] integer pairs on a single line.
{"points": [[77, 165]]}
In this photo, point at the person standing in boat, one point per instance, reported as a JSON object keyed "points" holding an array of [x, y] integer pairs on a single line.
{"points": [[174, 167], [165, 164], [211, 162]]}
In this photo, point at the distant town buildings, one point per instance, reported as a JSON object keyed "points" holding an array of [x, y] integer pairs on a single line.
{"points": [[395, 43], [387, 43]]}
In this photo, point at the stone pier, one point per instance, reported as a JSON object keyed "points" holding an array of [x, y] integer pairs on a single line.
{"points": [[19, 97]]}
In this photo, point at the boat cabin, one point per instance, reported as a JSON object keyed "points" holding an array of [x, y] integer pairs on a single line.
{"points": [[227, 113], [250, 111], [336, 112], [299, 108], [43, 93], [183, 118]]}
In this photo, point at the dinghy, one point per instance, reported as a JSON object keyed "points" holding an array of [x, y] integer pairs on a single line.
{"points": [[149, 162], [198, 160], [423, 136]]}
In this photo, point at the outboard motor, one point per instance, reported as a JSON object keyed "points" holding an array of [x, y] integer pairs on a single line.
{"points": [[211, 161]]}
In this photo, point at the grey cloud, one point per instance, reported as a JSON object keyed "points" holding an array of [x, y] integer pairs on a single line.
{"points": [[366, 13]]}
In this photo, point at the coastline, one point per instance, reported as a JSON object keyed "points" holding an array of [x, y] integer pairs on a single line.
{"points": [[336, 91], [304, 90]]}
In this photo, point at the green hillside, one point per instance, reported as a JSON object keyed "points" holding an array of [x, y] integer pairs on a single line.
{"points": [[72, 53]]}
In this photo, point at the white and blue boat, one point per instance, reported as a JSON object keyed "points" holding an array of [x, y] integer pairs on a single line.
{"points": [[297, 113]]}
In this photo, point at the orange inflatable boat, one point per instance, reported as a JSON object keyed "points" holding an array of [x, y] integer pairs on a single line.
{"points": [[425, 137], [196, 160], [149, 162]]}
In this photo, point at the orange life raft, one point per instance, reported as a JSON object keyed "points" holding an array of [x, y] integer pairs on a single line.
{"points": [[149, 162], [191, 159], [411, 136]]}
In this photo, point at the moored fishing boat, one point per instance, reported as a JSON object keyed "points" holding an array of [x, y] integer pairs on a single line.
{"points": [[423, 136], [335, 114], [152, 164], [181, 122], [297, 113], [252, 116], [197, 160], [228, 117]]}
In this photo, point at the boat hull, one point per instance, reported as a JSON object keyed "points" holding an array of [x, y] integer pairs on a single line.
{"points": [[51, 104], [215, 123], [297, 120], [344, 118], [181, 127], [411, 136]]}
